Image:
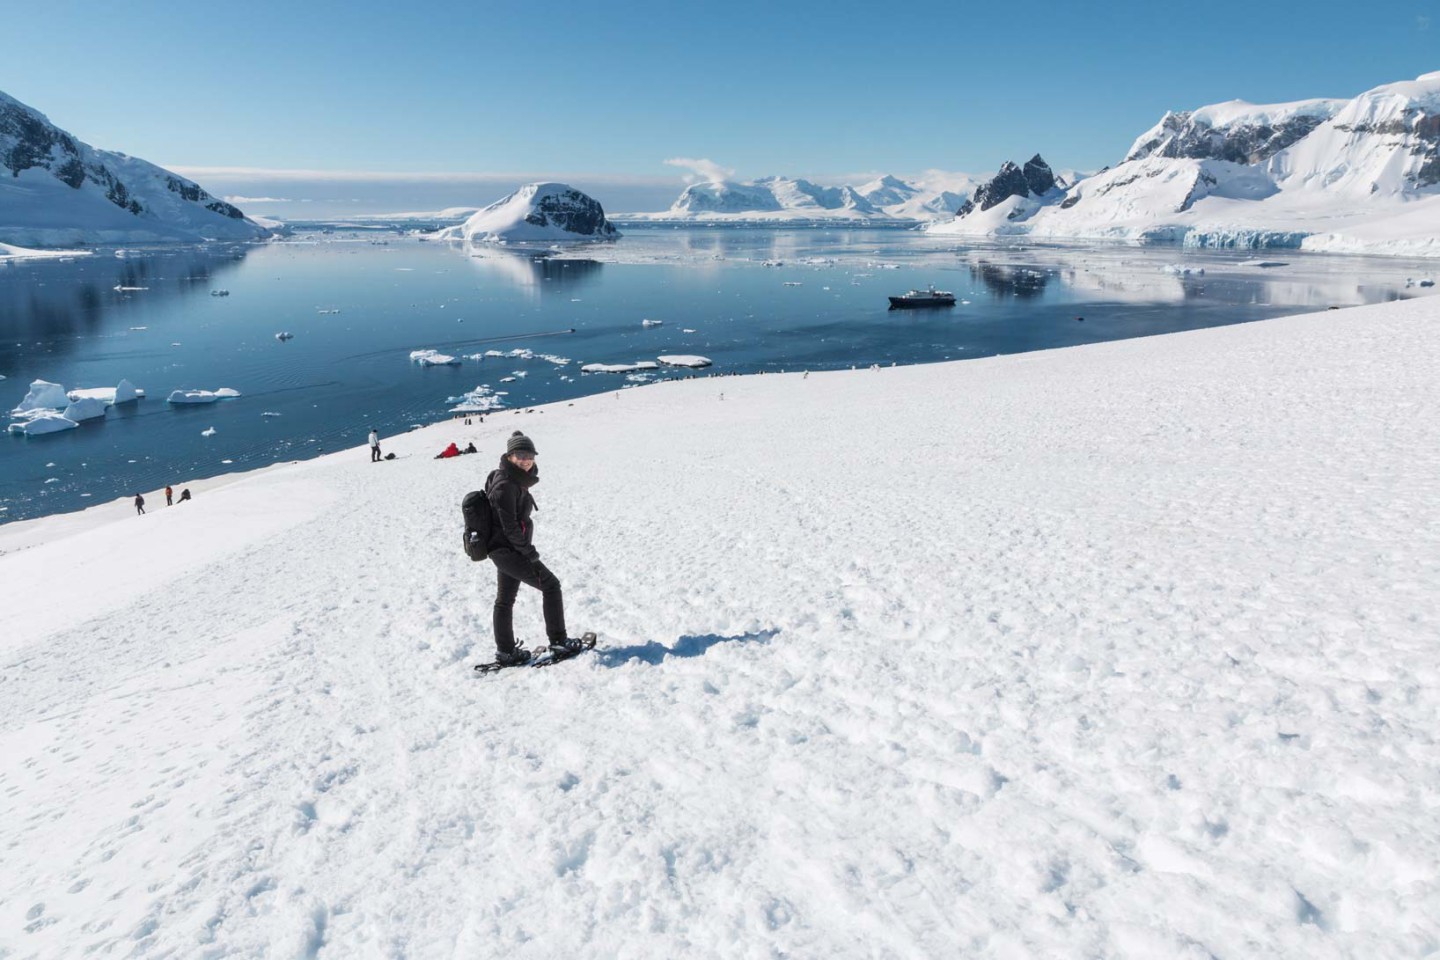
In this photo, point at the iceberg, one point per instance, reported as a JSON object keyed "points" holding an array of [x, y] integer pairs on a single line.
{"points": [[44, 395], [44, 422], [85, 408], [191, 396], [480, 400], [619, 367], [684, 360], [123, 392], [202, 396], [433, 358]]}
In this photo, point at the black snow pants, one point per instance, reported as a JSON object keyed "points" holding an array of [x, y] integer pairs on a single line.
{"points": [[511, 571]]}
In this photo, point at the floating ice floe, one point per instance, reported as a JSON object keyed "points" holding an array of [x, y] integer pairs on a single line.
{"points": [[284, 335], [219, 293], [202, 396], [1412, 282], [125, 289], [686, 330], [684, 360], [269, 413], [208, 432], [1180, 270], [1264, 263], [651, 323], [433, 358], [794, 283], [41, 422], [507, 379], [619, 367], [324, 312], [480, 400]]}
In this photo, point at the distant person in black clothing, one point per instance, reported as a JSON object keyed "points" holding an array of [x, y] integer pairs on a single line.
{"points": [[139, 505], [184, 494]]}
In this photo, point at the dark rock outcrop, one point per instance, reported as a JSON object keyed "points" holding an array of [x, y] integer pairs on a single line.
{"points": [[1038, 176], [572, 211], [1180, 136], [1035, 179]]}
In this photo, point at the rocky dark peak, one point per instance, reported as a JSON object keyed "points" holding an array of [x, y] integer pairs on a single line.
{"points": [[1009, 182], [1038, 176], [1034, 179]]}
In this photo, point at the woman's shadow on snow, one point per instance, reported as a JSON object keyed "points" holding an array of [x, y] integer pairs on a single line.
{"points": [[694, 646]]}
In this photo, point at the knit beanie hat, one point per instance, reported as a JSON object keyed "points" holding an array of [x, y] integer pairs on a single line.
{"points": [[518, 441]]}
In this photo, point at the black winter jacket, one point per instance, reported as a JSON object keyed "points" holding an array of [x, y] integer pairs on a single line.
{"points": [[508, 490]]}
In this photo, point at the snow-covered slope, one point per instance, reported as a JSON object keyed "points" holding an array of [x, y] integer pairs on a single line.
{"points": [[1133, 656], [537, 212], [1361, 175], [56, 190], [1383, 144], [1236, 131], [784, 198]]}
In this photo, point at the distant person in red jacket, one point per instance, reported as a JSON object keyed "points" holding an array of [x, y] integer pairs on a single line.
{"points": [[169, 496], [450, 451]]}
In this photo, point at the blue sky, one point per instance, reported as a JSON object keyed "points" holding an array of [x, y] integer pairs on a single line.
{"points": [[613, 90]]}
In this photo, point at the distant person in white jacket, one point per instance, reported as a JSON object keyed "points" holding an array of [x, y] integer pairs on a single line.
{"points": [[374, 445]]}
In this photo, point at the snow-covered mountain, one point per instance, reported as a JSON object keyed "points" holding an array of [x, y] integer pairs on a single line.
{"points": [[537, 212], [56, 190], [1359, 175], [784, 198]]}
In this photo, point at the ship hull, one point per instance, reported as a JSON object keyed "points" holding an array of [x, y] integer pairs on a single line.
{"points": [[906, 303]]}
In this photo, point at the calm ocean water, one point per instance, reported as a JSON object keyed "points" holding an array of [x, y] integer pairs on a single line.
{"points": [[358, 301]]}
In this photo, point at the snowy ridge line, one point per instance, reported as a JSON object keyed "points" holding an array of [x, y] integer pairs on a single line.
{"points": [[1139, 660]]}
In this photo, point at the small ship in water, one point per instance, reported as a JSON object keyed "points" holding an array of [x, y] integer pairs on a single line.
{"points": [[929, 297]]}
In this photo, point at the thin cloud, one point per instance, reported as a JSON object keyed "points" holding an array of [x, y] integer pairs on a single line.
{"points": [[1422, 22], [258, 200], [701, 169]]}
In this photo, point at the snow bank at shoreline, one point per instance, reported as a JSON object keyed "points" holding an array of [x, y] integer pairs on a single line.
{"points": [[9, 251], [1123, 650]]}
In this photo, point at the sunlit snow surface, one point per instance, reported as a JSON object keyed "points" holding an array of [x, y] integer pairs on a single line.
{"points": [[1125, 650]]}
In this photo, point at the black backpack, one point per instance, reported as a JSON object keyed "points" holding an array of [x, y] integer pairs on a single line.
{"points": [[479, 519]]}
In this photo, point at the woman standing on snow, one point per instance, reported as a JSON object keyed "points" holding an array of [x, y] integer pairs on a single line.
{"points": [[516, 559]]}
